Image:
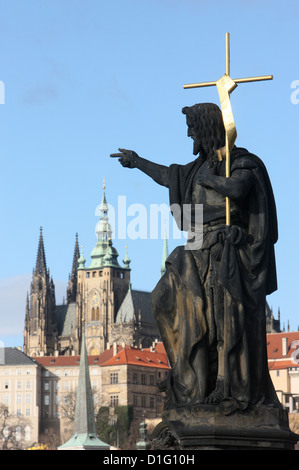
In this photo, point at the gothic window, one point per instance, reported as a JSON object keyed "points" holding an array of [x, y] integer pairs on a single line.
{"points": [[97, 314], [93, 314]]}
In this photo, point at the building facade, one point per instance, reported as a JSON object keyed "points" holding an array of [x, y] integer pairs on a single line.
{"points": [[120, 376], [98, 294], [20, 399], [283, 362]]}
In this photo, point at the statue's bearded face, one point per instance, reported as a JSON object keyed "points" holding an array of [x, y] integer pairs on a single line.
{"points": [[205, 127], [193, 132]]}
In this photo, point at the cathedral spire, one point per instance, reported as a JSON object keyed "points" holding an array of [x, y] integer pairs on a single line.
{"points": [[41, 265], [104, 253], [72, 284]]}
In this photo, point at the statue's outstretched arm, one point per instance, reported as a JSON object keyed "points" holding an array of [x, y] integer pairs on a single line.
{"points": [[130, 159]]}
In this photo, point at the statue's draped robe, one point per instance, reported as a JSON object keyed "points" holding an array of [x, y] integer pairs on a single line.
{"points": [[217, 293]]}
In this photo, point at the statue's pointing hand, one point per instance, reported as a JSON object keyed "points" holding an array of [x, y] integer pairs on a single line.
{"points": [[127, 158]]}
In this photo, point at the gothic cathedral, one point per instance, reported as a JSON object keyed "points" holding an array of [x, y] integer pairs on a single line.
{"points": [[98, 296]]}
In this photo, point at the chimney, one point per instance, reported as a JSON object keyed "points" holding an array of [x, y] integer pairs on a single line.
{"points": [[284, 346], [114, 349]]}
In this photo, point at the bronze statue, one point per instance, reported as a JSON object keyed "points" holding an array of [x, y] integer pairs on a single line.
{"points": [[210, 303]]}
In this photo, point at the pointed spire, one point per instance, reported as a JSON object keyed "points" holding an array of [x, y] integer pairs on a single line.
{"points": [[41, 265], [126, 259], [164, 254], [75, 258], [84, 433], [81, 260], [104, 254], [72, 284], [84, 412]]}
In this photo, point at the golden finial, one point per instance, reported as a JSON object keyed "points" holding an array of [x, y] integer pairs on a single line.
{"points": [[104, 183]]}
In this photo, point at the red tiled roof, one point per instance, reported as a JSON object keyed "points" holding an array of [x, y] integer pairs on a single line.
{"points": [[276, 358], [274, 344], [279, 365], [48, 361], [139, 357], [125, 355]]}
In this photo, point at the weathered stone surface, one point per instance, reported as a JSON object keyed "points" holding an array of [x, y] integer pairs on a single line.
{"points": [[210, 427]]}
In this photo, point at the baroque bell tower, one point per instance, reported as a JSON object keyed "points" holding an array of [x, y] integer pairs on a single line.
{"points": [[101, 287]]}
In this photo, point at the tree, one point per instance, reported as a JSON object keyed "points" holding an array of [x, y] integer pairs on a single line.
{"points": [[13, 429], [113, 424]]}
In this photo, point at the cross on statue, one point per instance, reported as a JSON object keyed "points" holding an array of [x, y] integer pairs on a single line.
{"points": [[225, 86]]}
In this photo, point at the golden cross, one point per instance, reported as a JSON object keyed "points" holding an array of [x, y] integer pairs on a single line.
{"points": [[225, 86]]}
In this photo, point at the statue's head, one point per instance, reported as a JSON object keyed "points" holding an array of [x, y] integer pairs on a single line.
{"points": [[205, 127]]}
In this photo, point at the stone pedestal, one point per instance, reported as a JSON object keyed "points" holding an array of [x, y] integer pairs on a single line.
{"points": [[212, 427]]}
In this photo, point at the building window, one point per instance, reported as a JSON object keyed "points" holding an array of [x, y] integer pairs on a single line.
{"points": [[28, 398], [152, 380], [27, 412], [135, 400], [19, 385], [152, 402], [135, 379], [143, 379], [46, 400], [114, 400], [6, 385], [19, 412], [19, 398], [114, 378], [143, 401]]}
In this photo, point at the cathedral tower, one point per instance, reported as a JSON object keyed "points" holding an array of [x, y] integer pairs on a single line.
{"points": [[40, 333], [102, 286]]}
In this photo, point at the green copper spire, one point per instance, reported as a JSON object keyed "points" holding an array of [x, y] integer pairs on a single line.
{"points": [[126, 260], [104, 254], [81, 260], [84, 434]]}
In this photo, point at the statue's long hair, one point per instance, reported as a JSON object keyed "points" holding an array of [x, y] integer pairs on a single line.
{"points": [[207, 123]]}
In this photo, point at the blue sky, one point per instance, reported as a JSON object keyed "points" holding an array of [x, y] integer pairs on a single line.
{"points": [[83, 78]]}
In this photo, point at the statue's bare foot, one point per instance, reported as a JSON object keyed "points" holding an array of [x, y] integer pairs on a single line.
{"points": [[216, 396]]}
